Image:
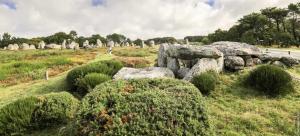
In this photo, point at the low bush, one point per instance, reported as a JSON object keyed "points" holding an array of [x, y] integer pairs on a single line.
{"points": [[270, 80], [110, 68], [90, 81], [143, 107], [206, 82], [33, 113]]}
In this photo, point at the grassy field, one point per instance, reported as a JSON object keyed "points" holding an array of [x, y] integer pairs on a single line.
{"points": [[234, 110]]}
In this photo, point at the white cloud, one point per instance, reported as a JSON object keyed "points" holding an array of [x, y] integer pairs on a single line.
{"points": [[134, 18]]}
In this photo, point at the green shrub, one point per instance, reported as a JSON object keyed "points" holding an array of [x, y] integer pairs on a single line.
{"points": [[206, 82], [143, 107], [56, 108], [16, 117], [34, 113], [90, 81], [270, 80], [110, 68]]}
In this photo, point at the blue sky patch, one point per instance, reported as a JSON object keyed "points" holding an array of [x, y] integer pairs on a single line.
{"points": [[8, 3], [210, 2], [97, 2]]}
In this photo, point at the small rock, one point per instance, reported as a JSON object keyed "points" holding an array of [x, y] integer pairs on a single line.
{"points": [[279, 64]]}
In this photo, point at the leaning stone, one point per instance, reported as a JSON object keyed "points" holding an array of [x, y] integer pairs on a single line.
{"points": [[24, 46], [203, 65], [173, 64], [151, 72], [234, 63], [41, 45]]}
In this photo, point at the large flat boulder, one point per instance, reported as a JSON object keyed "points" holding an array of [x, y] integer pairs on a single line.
{"points": [[151, 72], [189, 52], [236, 49]]}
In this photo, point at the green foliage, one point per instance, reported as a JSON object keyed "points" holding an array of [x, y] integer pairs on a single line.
{"points": [[34, 113], [270, 80], [131, 53], [16, 117], [90, 81], [271, 26], [55, 108], [144, 107], [110, 68], [206, 82], [161, 40], [116, 38]]}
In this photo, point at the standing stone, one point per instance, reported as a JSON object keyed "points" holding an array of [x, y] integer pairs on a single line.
{"points": [[86, 44], [63, 45], [99, 43], [162, 55], [143, 44], [72, 45], [203, 65], [32, 47], [187, 42], [42, 45], [12, 47], [173, 64], [24, 46], [110, 44], [152, 43]]}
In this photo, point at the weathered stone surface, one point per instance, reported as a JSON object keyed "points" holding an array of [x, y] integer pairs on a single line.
{"points": [[53, 46], [24, 46], [151, 43], [257, 61], [236, 49], [189, 52], [202, 65], [269, 57], [13, 47], [162, 56], [234, 63], [72, 45], [279, 64], [151, 72], [99, 44], [32, 47], [173, 64], [248, 61], [220, 62], [110, 44], [290, 61], [181, 73], [41, 45]]}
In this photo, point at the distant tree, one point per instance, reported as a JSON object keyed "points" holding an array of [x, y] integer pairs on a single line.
{"points": [[161, 40], [116, 38], [294, 10], [73, 34], [194, 38], [138, 42]]}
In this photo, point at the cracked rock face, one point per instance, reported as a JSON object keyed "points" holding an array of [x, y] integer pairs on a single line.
{"points": [[234, 63]]}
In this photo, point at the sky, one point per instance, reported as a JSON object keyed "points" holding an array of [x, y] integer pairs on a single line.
{"points": [[134, 18]]}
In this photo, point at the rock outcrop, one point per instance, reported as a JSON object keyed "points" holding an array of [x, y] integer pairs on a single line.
{"points": [[41, 45], [151, 72], [288, 61], [187, 61]]}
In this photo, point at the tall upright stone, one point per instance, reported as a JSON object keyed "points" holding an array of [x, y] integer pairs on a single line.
{"points": [[143, 44], [41, 45], [152, 43], [110, 44], [86, 44], [63, 45], [187, 42], [99, 43]]}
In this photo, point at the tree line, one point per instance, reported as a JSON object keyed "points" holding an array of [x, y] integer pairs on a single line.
{"points": [[270, 26]]}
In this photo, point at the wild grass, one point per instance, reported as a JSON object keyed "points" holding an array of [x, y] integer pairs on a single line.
{"points": [[134, 52], [24, 66]]}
